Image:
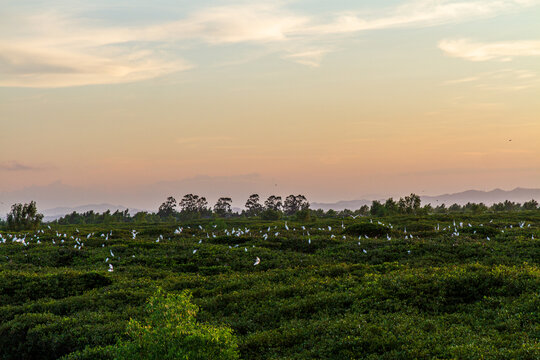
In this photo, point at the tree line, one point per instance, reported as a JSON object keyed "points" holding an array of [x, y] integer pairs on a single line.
{"points": [[294, 207]]}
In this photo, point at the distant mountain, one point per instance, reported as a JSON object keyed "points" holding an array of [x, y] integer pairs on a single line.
{"points": [[519, 195], [341, 205]]}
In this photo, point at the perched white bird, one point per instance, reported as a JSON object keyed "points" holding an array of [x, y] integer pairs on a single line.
{"points": [[194, 251], [257, 261], [111, 269]]}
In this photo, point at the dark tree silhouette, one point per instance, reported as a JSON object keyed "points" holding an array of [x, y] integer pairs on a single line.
{"points": [[24, 217], [167, 208], [254, 208], [273, 203], [223, 206]]}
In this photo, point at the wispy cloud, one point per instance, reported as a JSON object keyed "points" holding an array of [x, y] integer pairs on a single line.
{"points": [[480, 51], [502, 80], [419, 13], [59, 49], [17, 166], [23, 67], [310, 58]]}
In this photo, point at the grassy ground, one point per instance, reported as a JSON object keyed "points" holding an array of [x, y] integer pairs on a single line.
{"points": [[462, 286]]}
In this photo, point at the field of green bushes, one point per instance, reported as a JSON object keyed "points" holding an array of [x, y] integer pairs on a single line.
{"points": [[448, 286]]}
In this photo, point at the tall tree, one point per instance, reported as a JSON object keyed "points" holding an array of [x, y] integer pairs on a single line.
{"points": [[410, 204], [223, 206], [167, 208], [253, 206], [293, 204], [24, 217], [273, 203]]}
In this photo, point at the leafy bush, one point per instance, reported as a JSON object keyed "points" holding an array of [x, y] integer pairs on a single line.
{"points": [[171, 332], [368, 229], [270, 214]]}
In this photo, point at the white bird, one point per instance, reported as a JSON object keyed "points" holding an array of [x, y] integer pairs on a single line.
{"points": [[354, 216], [364, 250], [194, 251], [111, 269], [257, 261], [286, 227]]}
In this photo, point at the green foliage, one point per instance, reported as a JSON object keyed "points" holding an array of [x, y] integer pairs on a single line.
{"points": [[369, 229], [24, 217], [318, 291], [170, 331], [271, 214]]}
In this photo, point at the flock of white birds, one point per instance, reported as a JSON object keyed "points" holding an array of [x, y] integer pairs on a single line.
{"points": [[77, 240]]}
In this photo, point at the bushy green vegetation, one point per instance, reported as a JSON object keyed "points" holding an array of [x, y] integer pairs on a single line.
{"points": [[23, 217], [407, 286]]}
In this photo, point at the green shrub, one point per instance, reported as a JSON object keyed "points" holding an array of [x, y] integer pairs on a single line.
{"points": [[368, 229], [171, 332]]}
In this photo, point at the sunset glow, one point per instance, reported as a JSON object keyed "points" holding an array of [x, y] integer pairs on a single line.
{"points": [[337, 100]]}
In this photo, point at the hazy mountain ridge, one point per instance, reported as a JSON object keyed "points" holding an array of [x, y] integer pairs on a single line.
{"points": [[519, 195]]}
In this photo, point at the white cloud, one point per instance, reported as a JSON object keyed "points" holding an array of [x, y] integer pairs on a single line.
{"points": [[420, 13], [231, 24], [310, 58], [56, 49], [481, 51], [501, 80], [54, 67]]}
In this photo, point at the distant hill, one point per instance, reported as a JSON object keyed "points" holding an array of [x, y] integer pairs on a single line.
{"points": [[519, 195], [341, 205]]}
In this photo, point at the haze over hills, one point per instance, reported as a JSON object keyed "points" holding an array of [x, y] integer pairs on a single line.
{"points": [[57, 199], [519, 195]]}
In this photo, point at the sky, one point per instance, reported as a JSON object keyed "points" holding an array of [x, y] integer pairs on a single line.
{"points": [[334, 99]]}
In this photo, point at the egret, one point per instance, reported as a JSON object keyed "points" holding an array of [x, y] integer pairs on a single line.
{"points": [[257, 261]]}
